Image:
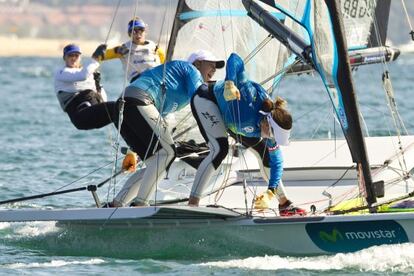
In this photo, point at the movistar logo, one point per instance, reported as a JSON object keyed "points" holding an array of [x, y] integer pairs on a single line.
{"points": [[335, 235], [332, 237], [351, 236]]}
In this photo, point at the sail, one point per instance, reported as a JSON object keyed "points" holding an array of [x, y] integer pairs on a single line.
{"points": [[223, 27], [365, 27], [330, 56], [365, 22]]}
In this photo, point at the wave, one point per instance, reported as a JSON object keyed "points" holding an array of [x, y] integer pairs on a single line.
{"points": [[386, 258]]}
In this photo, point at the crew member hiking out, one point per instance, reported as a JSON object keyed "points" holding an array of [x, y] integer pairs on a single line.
{"points": [[79, 92]]}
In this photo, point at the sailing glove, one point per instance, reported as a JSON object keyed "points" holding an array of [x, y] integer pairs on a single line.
{"points": [[121, 50], [130, 161], [99, 53], [263, 200], [231, 92]]}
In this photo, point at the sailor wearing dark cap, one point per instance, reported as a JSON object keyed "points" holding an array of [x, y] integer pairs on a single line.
{"points": [[79, 92]]}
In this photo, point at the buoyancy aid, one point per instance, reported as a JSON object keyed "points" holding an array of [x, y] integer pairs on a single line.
{"points": [[142, 57]]}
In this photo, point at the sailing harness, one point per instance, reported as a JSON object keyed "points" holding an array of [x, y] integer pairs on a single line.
{"points": [[82, 100]]}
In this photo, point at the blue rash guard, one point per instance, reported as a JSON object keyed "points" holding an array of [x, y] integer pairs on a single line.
{"points": [[181, 81], [242, 116]]}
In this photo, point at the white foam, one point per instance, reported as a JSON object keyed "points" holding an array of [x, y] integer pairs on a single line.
{"points": [[379, 258], [4, 225], [33, 229], [55, 263]]}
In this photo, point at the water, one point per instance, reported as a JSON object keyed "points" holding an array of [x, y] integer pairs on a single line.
{"points": [[41, 151]]}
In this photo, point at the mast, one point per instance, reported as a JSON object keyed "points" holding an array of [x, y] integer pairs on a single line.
{"points": [[353, 133], [177, 24]]}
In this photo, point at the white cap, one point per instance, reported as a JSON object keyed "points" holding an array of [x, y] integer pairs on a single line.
{"points": [[207, 56]]}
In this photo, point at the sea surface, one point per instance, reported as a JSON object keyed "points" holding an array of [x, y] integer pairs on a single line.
{"points": [[42, 152]]}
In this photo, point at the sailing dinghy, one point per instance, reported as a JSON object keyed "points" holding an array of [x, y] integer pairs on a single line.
{"points": [[313, 38]]}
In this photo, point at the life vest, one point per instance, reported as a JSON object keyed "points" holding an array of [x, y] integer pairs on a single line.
{"points": [[142, 57]]}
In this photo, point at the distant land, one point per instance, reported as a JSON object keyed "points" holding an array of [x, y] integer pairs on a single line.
{"points": [[42, 27]]}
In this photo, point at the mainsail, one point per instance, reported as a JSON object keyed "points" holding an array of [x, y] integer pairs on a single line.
{"points": [[365, 28], [311, 31], [335, 71], [223, 27], [329, 57]]}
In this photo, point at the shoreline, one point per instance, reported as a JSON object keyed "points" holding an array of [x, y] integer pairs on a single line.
{"points": [[11, 46]]}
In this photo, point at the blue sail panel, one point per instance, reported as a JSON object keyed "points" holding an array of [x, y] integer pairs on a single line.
{"points": [[330, 56], [325, 54]]}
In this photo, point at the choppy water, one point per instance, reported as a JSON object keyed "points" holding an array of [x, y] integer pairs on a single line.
{"points": [[41, 151]]}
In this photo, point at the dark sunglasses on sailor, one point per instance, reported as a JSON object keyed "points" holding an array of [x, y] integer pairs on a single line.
{"points": [[73, 55], [138, 30]]}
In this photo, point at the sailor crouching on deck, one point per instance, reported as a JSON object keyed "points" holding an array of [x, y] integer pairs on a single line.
{"points": [[79, 92], [243, 109], [155, 94]]}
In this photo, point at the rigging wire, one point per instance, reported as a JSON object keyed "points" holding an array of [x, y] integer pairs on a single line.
{"points": [[82, 177], [121, 114], [112, 22], [280, 72], [258, 48], [109, 133], [389, 93], [408, 19], [164, 95]]}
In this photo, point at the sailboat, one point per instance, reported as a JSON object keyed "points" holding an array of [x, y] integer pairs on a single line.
{"points": [[316, 41]]}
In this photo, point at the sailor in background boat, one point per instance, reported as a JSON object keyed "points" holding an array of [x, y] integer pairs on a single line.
{"points": [[144, 54], [243, 109], [79, 91], [156, 93]]}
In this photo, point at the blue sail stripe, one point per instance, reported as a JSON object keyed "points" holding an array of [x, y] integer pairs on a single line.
{"points": [[357, 47], [289, 14], [215, 13]]}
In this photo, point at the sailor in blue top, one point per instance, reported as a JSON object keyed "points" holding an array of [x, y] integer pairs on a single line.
{"points": [[156, 93], [243, 109]]}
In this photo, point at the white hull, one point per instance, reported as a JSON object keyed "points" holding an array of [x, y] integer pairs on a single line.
{"points": [[313, 171], [273, 235], [267, 232]]}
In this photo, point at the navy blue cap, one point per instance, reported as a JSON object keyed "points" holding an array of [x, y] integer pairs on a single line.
{"points": [[71, 48], [136, 24]]}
